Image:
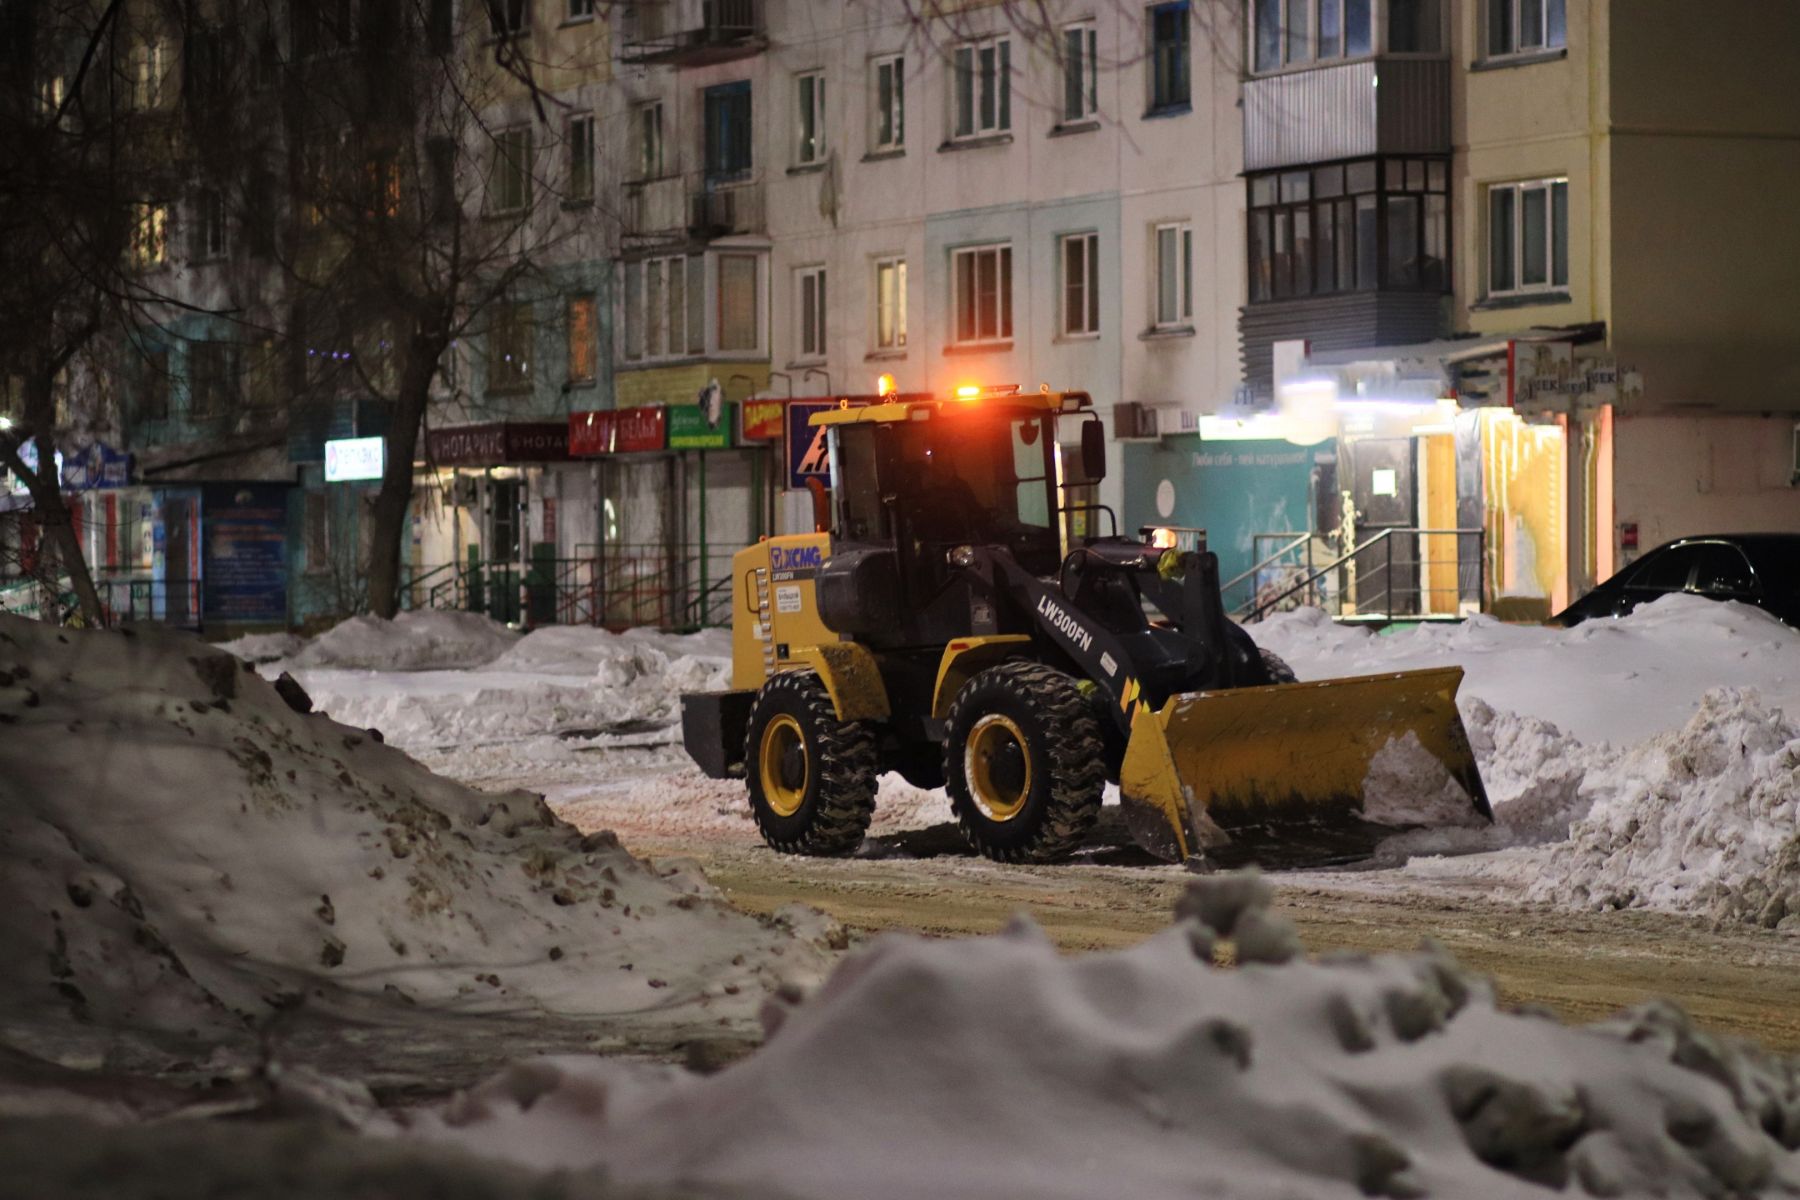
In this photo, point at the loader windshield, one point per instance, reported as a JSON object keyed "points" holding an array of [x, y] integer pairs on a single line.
{"points": [[982, 476]]}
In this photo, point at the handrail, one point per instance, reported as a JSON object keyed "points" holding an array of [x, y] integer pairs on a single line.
{"points": [[1299, 539], [1386, 539]]}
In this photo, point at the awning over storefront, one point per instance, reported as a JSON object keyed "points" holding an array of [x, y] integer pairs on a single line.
{"points": [[497, 443]]}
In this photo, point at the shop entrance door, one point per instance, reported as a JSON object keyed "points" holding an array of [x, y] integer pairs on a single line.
{"points": [[1384, 490]]}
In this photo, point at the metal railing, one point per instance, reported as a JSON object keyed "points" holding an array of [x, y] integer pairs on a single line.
{"points": [[1396, 574], [628, 585], [1293, 556]]}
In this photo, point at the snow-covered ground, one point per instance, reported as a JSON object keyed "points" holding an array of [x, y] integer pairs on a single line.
{"points": [[1637, 762]]}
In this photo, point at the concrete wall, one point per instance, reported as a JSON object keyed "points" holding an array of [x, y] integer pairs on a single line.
{"points": [[1681, 475]]}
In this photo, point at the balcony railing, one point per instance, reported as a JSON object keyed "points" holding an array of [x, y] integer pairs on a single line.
{"points": [[726, 30], [723, 209], [656, 207]]}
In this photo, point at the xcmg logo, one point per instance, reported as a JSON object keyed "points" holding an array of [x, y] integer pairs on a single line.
{"points": [[1063, 623], [796, 558]]}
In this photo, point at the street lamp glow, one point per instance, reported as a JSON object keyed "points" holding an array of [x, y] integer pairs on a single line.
{"points": [[6, 422]]}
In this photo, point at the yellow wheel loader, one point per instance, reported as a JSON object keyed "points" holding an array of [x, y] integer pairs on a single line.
{"points": [[936, 625]]}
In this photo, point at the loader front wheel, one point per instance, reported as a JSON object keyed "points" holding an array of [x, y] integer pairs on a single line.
{"points": [[812, 777], [1024, 763]]}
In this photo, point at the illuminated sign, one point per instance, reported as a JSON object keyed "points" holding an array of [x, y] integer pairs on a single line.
{"points": [[355, 458]]}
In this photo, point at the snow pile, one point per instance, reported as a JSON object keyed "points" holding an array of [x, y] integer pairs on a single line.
{"points": [[996, 1067], [418, 640], [180, 848], [1706, 820], [264, 647]]}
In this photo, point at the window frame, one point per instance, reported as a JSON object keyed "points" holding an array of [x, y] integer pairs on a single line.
{"points": [[758, 321], [810, 291], [998, 83], [1330, 217], [647, 136], [719, 163], [508, 19], [519, 320], [1554, 34], [895, 340], [1078, 321], [147, 246], [655, 298], [512, 162], [211, 229], [1080, 73], [1183, 316], [1003, 305], [578, 11], [577, 345], [582, 157], [1154, 78], [810, 143], [1551, 186], [893, 114]]}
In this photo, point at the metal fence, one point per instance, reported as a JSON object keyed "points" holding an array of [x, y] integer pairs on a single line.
{"points": [[1402, 573], [679, 587]]}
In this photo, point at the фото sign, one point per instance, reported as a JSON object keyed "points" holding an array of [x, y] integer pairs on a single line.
{"points": [[619, 431], [497, 443], [355, 458], [806, 444], [690, 430]]}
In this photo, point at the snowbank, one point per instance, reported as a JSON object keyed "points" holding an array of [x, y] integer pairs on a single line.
{"points": [[179, 848], [260, 648], [996, 1067], [418, 640]]}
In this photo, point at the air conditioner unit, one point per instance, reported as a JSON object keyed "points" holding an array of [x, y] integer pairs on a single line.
{"points": [[1134, 422], [1171, 421]]}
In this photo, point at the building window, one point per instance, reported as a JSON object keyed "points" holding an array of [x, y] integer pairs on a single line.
{"points": [[982, 300], [1080, 284], [809, 315], [1169, 88], [1174, 275], [646, 124], [511, 179], [212, 379], [149, 245], [581, 159], [149, 70], [509, 348], [1528, 237], [890, 304], [318, 533], [1081, 73], [889, 94], [584, 343], [740, 324], [1376, 223], [151, 384], [1415, 27], [581, 10], [211, 239], [664, 307], [508, 18], [728, 130], [809, 98], [1525, 26], [1288, 33], [982, 91]]}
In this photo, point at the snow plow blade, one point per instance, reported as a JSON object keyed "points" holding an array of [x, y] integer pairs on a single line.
{"points": [[1210, 763]]}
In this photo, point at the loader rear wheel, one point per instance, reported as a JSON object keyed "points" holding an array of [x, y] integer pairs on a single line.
{"points": [[1023, 762], [812, 777]]}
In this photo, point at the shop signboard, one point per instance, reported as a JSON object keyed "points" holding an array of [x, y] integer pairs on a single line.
{"points": [[244, 571], [590, 433], [689, 428], [96, 466], [349, 459], [762, 420], [497, 443], [806, 444]]}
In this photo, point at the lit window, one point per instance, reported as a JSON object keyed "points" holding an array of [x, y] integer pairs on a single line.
{"points": [[889, 108], [1174, 275], [809, 95], [890, 304], [982, 300], [149, 245], [982, 94], [740, 324], [810, 311], [1081, 73], [583, 339], [1080, 284], [1528, 237]]}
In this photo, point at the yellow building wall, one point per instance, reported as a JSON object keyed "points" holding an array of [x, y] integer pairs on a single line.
{"points": [[681, 383], [1524, 470]]}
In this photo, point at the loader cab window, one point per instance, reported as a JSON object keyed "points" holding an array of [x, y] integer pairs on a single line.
{"points": [[980, 477], [855, 478]]}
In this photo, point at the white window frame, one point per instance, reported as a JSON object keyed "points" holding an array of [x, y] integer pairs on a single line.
{"points": [[1549, 187], [511, 164], [647, 136], [987, 90], [809, 118], [810, 298], [647, 314], [894, 114], [1284, 46], [1078, 315], [1002, 316], [1080, 72], [1183, 315], [759, 321], [581, 153], [890, 303], [1515, 12]]}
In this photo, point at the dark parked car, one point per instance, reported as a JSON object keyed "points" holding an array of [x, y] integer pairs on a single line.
{"points": [[1756, 568]]}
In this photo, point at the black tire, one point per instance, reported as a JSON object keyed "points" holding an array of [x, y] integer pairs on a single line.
{"points": [[1276, 666], [827, 767], [1039, 748]]}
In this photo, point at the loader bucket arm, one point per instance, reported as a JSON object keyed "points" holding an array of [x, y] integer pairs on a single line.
{"points": [[1209, 763]]}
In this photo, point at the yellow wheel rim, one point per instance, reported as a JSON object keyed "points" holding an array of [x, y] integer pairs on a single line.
{"points": [[781, 740], [997, 764]]}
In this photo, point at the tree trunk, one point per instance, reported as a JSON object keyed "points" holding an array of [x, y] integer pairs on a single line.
{"points": [[395, 496], [59, 543]]}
